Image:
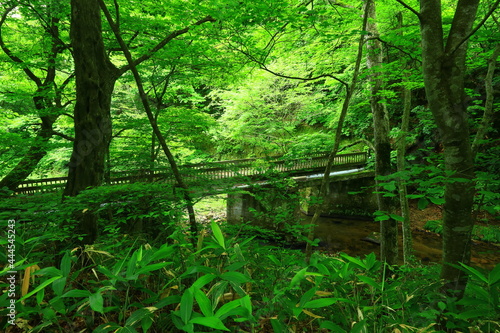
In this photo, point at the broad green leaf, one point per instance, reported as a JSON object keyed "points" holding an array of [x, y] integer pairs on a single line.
{"points": [[397, 217], [422, 203], [96, 302], [235, 277], [203, 280], [436, 201], [494, 275], [332, 327], [152, 267], [475, 273], [227, 307], [186, 307], [165, 251], [368, 280], [77, 293], [41, 286], [353, 260], [320, 303], [307, 296], [126, 330], [58, 286], [218, 234], [105, 328], [39, 296], [299, 276], [139, 315], [212, 322], [66, 264], [204, 303]]}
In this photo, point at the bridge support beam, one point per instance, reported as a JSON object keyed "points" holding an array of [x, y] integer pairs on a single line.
{"points": [[339, 202], [267, 207]]}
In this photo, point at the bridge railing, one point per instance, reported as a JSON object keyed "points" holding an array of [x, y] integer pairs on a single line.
{"points": [[213, 171]]}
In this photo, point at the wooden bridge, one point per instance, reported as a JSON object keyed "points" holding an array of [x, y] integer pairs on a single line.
{"points": [[234, 171]]}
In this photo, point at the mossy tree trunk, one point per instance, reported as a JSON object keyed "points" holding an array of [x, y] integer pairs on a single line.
{"points": [[374, 58], [444, 70]]}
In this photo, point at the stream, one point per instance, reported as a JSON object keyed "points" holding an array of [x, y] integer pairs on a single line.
{"points": [[358, 237]]}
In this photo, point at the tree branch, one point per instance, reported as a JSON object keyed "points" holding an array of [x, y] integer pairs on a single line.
{"points": [[11, 55], [480, 24], [164, 42], [264, 67], [410, 8], [62, 135]]}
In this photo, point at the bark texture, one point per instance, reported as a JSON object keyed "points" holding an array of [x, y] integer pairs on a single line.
{"points": [[443, 65], [95, 80], [374, 58]]}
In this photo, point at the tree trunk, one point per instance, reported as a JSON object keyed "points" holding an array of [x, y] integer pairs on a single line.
{"points": [[388, 228], [401, 165], [30, 160], [403, 192], [95, 79], [152, 120], [443, 70], [325, 181], [42, 101]]}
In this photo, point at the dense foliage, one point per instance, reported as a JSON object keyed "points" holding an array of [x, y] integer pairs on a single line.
{"points": [[188, 83]]}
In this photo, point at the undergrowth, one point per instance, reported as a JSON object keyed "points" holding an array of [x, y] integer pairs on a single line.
{"points": [[233, 282]]}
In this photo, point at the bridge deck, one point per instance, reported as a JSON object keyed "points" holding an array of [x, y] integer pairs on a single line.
{"points": [[234, 171]]}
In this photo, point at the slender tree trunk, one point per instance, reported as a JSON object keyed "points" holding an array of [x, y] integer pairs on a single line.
{"points": [[401, 165], [443, 70], [388, 228], [325, 182], [488, 105], [173, 164], [403, 192], [30, 160], [42, 101]]}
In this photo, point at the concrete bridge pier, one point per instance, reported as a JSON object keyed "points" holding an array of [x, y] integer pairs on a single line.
{"points": [[271, 207], [267, 207], [339, 201]]}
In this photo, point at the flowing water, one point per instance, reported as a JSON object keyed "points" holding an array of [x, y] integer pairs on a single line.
{"points": [[359, 237]]}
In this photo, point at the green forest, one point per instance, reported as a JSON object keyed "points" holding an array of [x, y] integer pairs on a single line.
{"points": [[250, 166]]}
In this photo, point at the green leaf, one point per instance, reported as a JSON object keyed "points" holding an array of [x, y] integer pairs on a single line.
{"points": [[331, 326], [153, 267], [186, 307], [97, 302], [66, 264], [494, 275], [235, 277], [299, 276], [436, 201], [77, 293], [40, 287], [204, 303], [212, 322], [39, 296], [165, 251], [203, 280], [227, 307], [397, 217], [368, 280], [105, 328], [422, 203], [320, 303], [58, 286], [139, 315], [218, 234]]}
